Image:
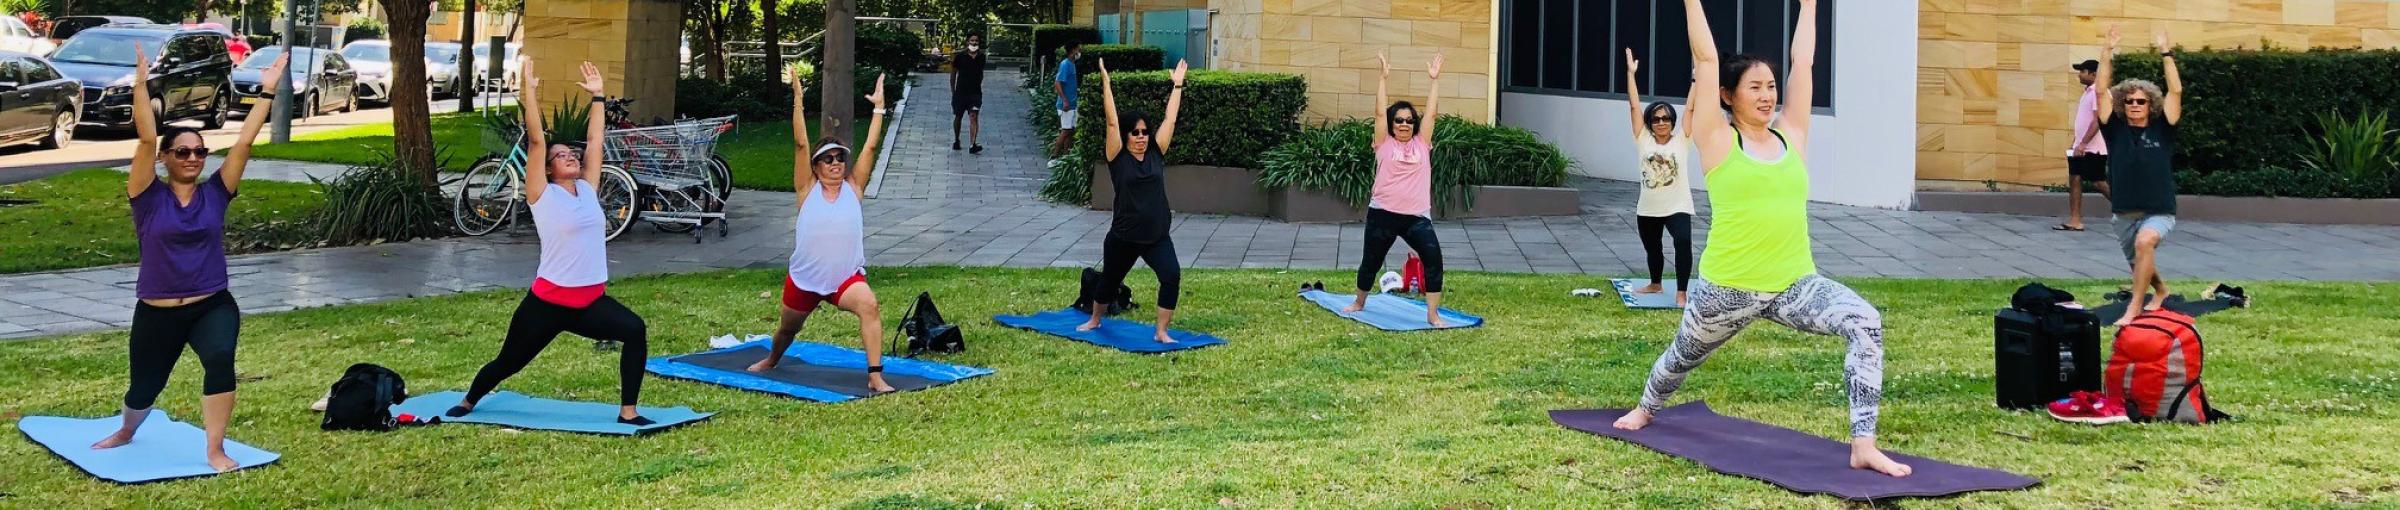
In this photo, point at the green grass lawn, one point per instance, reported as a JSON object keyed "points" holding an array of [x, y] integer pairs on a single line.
{"points": [[759, 152], [1301, 409], [81, 219]]}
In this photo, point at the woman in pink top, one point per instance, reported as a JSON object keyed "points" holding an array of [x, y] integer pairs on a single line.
{"points": [[1401, 203]]}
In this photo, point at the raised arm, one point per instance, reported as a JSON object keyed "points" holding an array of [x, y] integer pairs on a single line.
{"points": [[1433, 99], [1166, 129], [1383, 98], [1110, 143], [2106, 105], [1800, 88], [595, 138], [145, 129], [238, 157], [862, 164], [1633, 93], [800, 143], [1706, 118], [537, 141], [2172, 105]]}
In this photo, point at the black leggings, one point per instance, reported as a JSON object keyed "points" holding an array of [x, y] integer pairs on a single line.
{"points": [[1116, 259], [1679, 224], [1382, 227], [210, 326], [537, 322]]}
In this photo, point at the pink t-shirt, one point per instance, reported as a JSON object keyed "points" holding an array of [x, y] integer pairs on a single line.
{"points": [[1404, 177], [2084, 124]]}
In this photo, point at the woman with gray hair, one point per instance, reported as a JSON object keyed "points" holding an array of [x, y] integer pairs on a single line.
{"points": [[2139, 123]]}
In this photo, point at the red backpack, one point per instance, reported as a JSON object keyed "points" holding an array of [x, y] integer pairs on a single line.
{"points": [[2154, 369]]}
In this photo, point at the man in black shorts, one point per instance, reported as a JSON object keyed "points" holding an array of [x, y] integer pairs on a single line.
{"points": [[966, 93], [2087, 157]]}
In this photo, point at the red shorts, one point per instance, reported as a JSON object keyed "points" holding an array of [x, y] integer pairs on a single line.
{"points": [[804, 301]]}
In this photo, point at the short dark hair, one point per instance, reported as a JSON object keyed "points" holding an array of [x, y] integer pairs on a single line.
{"points": [[1074, 45], [167, 136], [1127, 118], [1391, 113], [1657, 110], [2088, 66], [1729, 75]]}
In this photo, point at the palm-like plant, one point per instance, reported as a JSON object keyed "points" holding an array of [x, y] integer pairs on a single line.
{"points": [[2362, 147]]}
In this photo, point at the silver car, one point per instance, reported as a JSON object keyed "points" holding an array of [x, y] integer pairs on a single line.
{"points": [[372, 58], [441, 67]]}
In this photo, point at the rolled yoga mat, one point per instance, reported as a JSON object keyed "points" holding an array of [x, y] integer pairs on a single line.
{"points": [[1389, 312], [1119, 334], [809, 370], [510, 409], [163, 449], [1791, 459]]}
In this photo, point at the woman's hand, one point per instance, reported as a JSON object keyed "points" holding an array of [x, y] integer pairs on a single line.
{"points": [[1386, 61], [1103, 69], [274, 74], [1631, 65], [1434, 70], [2112, 37], [1181, 67], [877, 97], [592, 81], [2162, 41]]}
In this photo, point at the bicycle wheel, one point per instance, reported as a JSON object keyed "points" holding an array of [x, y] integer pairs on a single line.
{"points": [[721, 176], [619, 200], [673, 201], [487, 198]]}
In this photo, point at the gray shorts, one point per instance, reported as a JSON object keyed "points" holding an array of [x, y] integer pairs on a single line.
{"points": [[2130, 226]]}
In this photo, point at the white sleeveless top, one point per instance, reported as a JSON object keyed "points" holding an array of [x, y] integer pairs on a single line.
{"points": [[574, 236], [1666, 175], [829, 241]]}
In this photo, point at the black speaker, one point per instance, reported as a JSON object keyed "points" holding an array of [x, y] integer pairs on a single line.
{"points": [[2040, 358]]}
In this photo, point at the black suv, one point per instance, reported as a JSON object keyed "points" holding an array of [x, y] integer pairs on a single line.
{"points": [[189, 73]]}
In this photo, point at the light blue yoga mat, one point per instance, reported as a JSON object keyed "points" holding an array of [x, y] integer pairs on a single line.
{"points": [[164, 449], [510, 409], [1663, 300], [1389, 312], [1117, 333], [809, 370]]}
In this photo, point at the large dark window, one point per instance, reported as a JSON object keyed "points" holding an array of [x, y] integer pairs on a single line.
{"points": [[1577, 47]]}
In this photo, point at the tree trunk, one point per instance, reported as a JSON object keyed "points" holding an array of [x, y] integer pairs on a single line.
{"points": [[203, 15], [466, 57], [714, 31], [771, 24], [412, 111], [841, 64]]}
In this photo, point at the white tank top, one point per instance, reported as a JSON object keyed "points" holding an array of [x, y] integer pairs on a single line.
{"points": [[829, 241], [574, 236]]}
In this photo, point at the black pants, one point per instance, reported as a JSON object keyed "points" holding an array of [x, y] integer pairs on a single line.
{"points": [[537, 322], [1679, 224], [210, 326], [1116, 259], [1382, 227]]}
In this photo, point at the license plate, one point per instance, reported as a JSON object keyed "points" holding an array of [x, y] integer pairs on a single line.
{"points": [[247, 101]]}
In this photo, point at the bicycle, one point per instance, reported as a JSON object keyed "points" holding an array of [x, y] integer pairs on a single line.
{"points": [[491, 194]]}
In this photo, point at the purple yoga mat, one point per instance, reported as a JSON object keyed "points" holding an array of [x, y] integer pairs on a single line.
{"points": [[1787, 458]]}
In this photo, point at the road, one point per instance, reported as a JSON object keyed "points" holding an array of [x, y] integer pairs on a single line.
{"points": [[98, 148]]}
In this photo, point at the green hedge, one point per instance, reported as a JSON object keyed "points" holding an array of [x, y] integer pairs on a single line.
{"points": [[1047, 39], [2251, 109], [1122, 58], [2285, 182], [364, 28], [1228, 119], [1339, 158], [883, 47]]}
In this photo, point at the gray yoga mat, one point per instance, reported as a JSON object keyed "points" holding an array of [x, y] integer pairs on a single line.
{"points": [[1787, 458], [847, 381]]}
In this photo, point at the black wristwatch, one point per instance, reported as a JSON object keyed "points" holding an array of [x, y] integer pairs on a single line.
{"points": [[599, 99], [2166, 54]]}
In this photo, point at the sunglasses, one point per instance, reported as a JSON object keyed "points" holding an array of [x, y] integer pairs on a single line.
{"points": [[1137, 132], [1662, 120], [188, 152], [832, 158], [2137, 102], [565, 155], [1405, 120]]}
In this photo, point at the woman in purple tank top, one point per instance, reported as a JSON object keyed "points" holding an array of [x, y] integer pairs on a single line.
{"points": [[180, 224]]}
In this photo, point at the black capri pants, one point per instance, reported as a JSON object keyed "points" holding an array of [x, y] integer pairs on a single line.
{"points": [[1384, 226], [537, 322], [1117, 256], [209, 326]]}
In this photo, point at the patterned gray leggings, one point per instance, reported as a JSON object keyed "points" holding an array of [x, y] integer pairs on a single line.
{"points": [[1814, 304]]}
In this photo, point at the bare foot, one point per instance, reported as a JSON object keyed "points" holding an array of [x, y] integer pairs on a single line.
{"points": [[1634, 419], [2156, 302], [762, 365], [2130, 313], [875, 383], [1866, 456], [1088, 326], [1355, 307], [1436, 321], [1163, 338], [1681, 298], [1650, 289], [218, 461], [114, 440]]}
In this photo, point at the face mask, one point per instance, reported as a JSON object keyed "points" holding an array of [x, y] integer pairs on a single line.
{"points": [[974, 48]]}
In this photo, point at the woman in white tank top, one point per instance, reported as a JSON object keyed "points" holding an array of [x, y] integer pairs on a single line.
{"points": [[829, 245]]}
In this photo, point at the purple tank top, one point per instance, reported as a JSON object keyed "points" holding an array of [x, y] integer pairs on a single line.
{"points": [[183, 246]]}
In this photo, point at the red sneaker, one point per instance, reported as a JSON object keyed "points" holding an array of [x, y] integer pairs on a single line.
{"points": [[2088, 407]]}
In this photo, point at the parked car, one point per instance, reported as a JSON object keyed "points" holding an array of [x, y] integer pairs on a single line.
{"points": [[15, 36], [235, 46], [372, 58], [508, 57], [441, 67], [334, 85], [189, 73], [64, 28], [37, 104]]}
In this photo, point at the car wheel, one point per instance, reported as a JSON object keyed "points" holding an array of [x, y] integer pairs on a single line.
{"points": [[217, 115], [351, 106], [308, 106], [62, 131]]}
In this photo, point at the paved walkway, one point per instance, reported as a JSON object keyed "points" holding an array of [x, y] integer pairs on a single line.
{"points": [[938, 206]]}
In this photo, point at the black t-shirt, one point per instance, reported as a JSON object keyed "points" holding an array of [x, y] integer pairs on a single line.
{"points": [[1141, 210], [2141, 166], [970, 71]]}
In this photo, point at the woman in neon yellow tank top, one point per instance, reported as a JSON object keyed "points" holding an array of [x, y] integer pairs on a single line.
{"points": [[1757, 263]]}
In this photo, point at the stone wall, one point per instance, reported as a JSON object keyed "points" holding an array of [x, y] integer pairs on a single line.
{"points": [[1995, 93], [1333, 44], [632, 41]]}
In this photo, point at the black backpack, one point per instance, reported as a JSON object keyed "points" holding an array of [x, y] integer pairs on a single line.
{"points": [[362, 399], [927, 332], [1120, 300]]}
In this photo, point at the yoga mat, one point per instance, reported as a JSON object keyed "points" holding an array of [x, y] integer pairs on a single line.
{"points": [[1389, 312], [510, 409], [810, 370], [1787, 458], [164, 449], [1123, 335], [1663, 300], [2108, 313]]}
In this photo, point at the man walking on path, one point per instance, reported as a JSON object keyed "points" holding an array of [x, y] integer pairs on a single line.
{"points": [[1064, 86], [966, 93], [2087, 157]]}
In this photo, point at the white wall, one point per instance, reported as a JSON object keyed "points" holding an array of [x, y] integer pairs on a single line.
{"points": [[1864, 154]]}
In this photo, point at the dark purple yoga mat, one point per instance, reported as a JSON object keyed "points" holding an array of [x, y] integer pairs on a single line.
{"points": [[1785, 457]]}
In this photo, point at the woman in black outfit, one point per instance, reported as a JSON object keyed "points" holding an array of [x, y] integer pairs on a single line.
{"points": [[1137, 166]]}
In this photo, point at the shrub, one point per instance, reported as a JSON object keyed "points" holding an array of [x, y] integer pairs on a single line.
{"points": [[2243, 108], [1122, 58], [2284, 182], [1049, 39], [379, 202], [1228, 119], [568, 123], [1339, 159], [364, 27], [882, 47], [2359, 148]]}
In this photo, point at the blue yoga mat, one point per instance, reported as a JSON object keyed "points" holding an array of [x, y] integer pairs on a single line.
{"points": [[1389, 312], [1663, 300], [510, 409], [1121, 334], [809, 370], [164, 449]]}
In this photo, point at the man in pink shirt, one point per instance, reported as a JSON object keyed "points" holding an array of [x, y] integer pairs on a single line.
{"points": [[2087, 156]]}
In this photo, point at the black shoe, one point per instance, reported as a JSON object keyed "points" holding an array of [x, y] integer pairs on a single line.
{"points": [[637, 421], [953, 145], [978, 149], [457, 411]]}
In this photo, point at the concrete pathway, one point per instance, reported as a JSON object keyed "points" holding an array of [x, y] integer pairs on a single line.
{"points": [[943, 207]]}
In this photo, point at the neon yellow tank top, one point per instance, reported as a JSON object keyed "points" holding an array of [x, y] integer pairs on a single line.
{"points": [[1758, 240]]}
